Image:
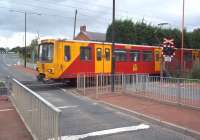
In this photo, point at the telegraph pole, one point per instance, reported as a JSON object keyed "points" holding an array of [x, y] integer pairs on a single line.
{"points": [[182, 38], [75, 24], [25, 40], [113, 49]]}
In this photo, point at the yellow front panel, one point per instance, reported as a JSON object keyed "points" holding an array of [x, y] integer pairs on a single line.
{"points": [[157, 59]]}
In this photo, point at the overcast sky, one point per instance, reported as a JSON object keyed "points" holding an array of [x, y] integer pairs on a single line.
{"points": [[54, 18]]}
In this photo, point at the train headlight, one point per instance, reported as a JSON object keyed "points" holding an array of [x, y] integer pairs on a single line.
{"points": [[50, 70]]}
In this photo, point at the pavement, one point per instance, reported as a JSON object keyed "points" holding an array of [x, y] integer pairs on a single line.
{"points": [[85, 118], [182, 116], [11, 126]]}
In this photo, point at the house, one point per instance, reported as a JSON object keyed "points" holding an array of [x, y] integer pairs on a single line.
{"points": [[90, 36]]}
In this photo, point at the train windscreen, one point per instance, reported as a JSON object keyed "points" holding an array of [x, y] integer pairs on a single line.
{"points": [[46, 52]]}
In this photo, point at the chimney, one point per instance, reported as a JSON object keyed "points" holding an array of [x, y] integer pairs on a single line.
{"points": [[83, 28]]}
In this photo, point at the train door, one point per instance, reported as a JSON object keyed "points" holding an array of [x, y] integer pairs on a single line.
{"points": [[157, 55], [102, 58], [107, 58]]}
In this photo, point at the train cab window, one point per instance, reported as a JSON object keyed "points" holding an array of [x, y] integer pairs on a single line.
{"points": [[85, 53], [120, 55], [135, 55], [188, 57], [107, 53], [46, 52], [147, 56], [67, 53]]}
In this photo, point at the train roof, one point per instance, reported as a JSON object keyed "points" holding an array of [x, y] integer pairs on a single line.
{"points": [[107, 43]]}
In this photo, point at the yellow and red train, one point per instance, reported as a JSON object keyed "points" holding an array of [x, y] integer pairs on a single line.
{"points": [[64, 59]]}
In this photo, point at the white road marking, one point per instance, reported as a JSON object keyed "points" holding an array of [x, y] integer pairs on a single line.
{"points": [[65, 107], [8, 65], [63, 89], [107, 132], [3, 110]]}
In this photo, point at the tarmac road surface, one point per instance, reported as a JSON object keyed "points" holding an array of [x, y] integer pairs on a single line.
{"points": [[86, 119]]}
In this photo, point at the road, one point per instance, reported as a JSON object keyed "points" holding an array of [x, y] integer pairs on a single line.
{"points": [[83, 118], [6, 68]]}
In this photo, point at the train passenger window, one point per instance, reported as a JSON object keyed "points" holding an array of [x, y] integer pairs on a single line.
{"points": [[135, 55], [107, 53], [120, 55], [147, 56], [99, 54], [188, 57], [67, 53], [85, 53]]}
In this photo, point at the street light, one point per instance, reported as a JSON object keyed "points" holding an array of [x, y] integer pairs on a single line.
{"points": [[182, 37], [113, 49], [25, 17]]}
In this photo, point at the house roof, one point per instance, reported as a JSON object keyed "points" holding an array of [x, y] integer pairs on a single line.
{"points": [[95, 36]]}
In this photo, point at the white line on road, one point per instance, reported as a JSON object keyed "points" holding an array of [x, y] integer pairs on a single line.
{"points": [[63, 89], [106, 132], [3, 110], [65, 107]]}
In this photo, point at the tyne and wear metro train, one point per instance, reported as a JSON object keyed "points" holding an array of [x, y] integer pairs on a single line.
{"points": [[64, 59]]}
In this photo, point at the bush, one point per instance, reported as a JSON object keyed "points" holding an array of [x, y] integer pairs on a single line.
{"points": [[1, 84]]}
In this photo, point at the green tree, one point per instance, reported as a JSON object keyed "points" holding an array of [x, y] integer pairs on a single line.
{"points": [[195, 38], [123, 32], [140, 33]]}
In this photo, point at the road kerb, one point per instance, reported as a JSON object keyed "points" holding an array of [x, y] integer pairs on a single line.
{"points": [[175, 127]]}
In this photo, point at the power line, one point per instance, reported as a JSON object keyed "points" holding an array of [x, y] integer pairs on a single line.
{"points": [[98, 24], [39, 7], [108, 9]]}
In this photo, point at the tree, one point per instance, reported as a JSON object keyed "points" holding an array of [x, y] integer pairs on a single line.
{"points": [[195, 38], [141, 33], [123, 32]]}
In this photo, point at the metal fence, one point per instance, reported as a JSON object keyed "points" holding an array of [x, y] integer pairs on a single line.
{"points": [[99, 83], [40, 117], [3, 89], [166, 89]]}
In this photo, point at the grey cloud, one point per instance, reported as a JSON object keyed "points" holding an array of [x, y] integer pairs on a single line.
{"points": [[96, 15]]}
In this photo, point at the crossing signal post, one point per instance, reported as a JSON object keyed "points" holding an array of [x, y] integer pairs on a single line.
{"points": [[168, 52]]}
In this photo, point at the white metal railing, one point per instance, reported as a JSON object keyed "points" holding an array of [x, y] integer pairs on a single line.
{"points": [[99, 83], [40, 116], [3, 89], [166, 89]]}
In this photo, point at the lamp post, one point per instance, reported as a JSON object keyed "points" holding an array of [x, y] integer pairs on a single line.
{"points": [[25, 24], [113, 50], [25, 39], [182, 38]]}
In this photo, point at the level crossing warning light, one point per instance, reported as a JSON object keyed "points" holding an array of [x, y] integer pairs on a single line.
{"points": [[168, 49]]}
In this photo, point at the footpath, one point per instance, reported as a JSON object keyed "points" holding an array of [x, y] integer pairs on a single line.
{"points": [[179, 118], [11, 126]]}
